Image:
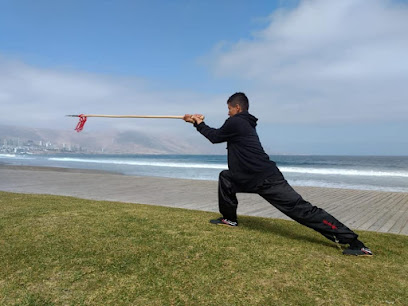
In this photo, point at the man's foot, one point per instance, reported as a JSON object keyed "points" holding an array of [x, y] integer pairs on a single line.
{"points": [[364, 251], [223, 221]]}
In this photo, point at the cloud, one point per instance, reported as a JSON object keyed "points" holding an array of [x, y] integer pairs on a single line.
{"points": [[325, 61], [39, 97]]}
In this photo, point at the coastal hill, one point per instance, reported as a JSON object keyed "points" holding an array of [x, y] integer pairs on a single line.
{"points": [[41, 140]]}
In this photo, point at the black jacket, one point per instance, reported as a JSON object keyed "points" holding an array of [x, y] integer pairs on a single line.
{"points": [[247, 160]]}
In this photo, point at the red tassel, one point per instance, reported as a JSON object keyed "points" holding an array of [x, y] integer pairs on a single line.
{"points": [[81, 123]]}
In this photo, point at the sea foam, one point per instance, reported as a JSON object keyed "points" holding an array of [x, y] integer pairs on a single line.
{"points": [[304, 170], [142, 163]]}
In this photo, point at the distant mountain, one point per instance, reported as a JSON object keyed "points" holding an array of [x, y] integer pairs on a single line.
{"points": [[114, 142]]}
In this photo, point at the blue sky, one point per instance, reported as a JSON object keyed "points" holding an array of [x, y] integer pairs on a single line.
{"points": [[157, 40], [324, 77]]}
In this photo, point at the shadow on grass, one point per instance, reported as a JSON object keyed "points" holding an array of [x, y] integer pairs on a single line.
{"points": [[286, 229]]}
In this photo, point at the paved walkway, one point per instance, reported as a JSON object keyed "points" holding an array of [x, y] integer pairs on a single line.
{"points": [[362, 210]]}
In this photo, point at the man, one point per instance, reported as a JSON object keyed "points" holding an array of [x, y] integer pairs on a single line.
{"points": [[251, 171]]}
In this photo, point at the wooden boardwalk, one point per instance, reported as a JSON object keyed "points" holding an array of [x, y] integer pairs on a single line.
{"points": [[361, 210]]}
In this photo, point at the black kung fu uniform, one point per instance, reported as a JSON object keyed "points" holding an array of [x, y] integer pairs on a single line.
{"points": [[251, 171]]}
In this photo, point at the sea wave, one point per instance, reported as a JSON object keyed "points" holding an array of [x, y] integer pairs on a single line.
{"points": [[142, 163], [349, 172], [300, 170], [15, 156], [7, 155]]}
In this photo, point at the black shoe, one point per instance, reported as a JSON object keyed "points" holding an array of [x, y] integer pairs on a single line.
{"points": [[223, 221], [358, 251]]}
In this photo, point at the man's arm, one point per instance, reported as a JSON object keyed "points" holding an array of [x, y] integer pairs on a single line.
{"points": [[222, 134]]}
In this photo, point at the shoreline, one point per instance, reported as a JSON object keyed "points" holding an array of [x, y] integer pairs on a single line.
{"points": [[379, 211], [56, 169]]}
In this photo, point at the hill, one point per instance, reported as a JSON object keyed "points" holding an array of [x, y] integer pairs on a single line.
{"points": [[111, 141]]}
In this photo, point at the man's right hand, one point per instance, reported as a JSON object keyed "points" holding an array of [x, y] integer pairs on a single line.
{"points": [[198, 118]]}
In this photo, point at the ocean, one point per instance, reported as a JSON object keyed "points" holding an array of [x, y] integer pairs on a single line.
{"points": [[383, 173]]}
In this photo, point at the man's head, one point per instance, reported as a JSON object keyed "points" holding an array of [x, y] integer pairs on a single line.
{"points": [[237, 103]]}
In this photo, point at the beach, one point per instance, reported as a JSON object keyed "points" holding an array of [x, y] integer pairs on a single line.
{"points": [[378, 211]]}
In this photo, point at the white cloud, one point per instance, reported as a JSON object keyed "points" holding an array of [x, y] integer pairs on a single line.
{"points": [[40, 97], [325, 61]]}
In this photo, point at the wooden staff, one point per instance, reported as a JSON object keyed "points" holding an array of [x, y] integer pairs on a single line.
{"points": [[128, 116], [83, 117]]}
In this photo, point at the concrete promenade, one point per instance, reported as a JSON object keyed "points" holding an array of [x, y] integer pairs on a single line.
{"points": [[361, 210]]}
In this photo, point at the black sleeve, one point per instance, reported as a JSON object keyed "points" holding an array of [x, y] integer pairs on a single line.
{"points": [[224, 133]]}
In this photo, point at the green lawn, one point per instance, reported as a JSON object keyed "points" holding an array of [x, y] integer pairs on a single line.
{"points": [[68, 251]]}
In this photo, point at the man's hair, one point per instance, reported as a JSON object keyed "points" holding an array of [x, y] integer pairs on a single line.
{"points": [[239, 98]]}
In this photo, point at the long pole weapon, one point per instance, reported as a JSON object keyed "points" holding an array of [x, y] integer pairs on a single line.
{"points": [[83, 117]]}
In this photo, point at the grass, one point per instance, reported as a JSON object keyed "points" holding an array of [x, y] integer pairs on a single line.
{"points": [[66, 251]]}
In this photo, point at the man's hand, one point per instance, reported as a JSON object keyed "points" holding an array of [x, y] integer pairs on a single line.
{"points": [[188, 118], [197, 118]]}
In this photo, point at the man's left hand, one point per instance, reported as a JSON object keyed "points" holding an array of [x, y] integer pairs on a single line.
{"points": [[188, 118]]}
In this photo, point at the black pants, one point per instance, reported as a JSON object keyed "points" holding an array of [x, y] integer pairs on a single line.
{"points": [[281, 195]]}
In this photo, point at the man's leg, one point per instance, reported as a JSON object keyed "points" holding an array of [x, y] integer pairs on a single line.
{"points": [[227, 199], [281, 195]]}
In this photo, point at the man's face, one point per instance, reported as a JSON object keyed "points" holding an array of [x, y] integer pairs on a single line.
{"points": [[233, 110]]}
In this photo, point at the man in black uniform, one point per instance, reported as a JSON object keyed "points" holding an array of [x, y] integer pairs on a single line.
{"points": [[251, 171]]}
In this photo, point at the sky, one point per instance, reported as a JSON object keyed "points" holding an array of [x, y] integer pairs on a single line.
{"points": [[323, 77]]}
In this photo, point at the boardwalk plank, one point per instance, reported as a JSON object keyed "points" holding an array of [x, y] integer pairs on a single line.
{"points": [[382, 205], [401, 221], [398, 203]]}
